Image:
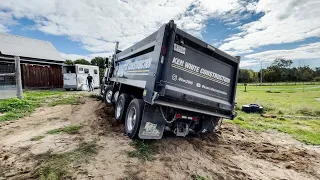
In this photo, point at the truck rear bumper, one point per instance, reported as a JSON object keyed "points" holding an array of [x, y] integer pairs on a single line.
{"points": [[176, 91], [188, 108]]}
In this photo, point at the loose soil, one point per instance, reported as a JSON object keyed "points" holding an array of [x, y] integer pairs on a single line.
{"points": [[234, 154]]}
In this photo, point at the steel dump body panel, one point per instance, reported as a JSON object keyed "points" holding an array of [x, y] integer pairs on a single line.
{"points": [[187, 74], [134, 68], [194, 74]]}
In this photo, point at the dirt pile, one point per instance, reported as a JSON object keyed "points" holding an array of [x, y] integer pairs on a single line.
{"points": [[234, 154]]}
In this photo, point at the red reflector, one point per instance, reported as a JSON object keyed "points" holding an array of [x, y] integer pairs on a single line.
{"points": [[178, 116], [195, 119], [164, 50]]}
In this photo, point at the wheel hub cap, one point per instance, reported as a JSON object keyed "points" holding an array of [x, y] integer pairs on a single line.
{"points": [[131, 119], [109, 96], [119, 109]]}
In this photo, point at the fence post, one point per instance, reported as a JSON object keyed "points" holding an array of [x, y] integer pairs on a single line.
{"points": [[18, 77]]}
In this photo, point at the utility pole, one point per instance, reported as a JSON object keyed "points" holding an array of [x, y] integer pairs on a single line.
{"points": [[18, 77], [261, 73]]}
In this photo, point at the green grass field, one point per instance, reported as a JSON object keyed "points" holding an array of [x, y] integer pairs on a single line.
{"points": [[15, 108], [294, 100]]}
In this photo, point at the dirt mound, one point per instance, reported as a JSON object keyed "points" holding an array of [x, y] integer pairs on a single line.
{"points": [[234, 154], [230, 156]]}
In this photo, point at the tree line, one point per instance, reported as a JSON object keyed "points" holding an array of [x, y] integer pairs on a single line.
{"points": [[280, 71]]}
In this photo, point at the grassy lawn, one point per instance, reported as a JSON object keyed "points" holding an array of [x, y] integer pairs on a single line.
{"points": [[16, 108], [296, 100], [59, 166], [144, 150], [72, 129]]}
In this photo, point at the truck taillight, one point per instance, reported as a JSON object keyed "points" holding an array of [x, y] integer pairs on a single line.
{"points": [[164, 50], [195, 119], [178, 116]]}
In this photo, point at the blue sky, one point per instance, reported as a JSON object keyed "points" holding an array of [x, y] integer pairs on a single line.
{"points": [[256, 30]]}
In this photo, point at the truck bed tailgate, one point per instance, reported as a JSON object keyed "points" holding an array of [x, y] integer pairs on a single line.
{"points": [[199, 75]]}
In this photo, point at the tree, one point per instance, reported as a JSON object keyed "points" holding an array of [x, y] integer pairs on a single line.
{"points": [[280, 71], [270, 75], [316, 79], [282, 63], [305, 73], [317, 72], [281, 68], [69, 62], [98, 61], [82, 61], [246, 76]]}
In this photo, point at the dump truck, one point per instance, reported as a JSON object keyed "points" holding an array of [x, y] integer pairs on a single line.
{"points": [[171, 81]]}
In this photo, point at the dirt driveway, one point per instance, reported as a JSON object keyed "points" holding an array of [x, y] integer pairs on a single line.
{"points": [[235, 154]]}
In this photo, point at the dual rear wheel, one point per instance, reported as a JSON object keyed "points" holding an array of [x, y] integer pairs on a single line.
{"points": [[129, 111], [133, 118], [126, 109]]}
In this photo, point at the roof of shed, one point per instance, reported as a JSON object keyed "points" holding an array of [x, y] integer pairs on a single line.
{"points": [[26, 47]]}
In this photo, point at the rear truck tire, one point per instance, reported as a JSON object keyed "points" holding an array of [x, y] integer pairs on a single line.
{"points": [[107, 95], [116, 96], [121, 106], [67, 89], [102, 89], [133, 118]]}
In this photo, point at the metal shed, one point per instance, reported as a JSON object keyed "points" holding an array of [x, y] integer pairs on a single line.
{"points": [[41, 63]]}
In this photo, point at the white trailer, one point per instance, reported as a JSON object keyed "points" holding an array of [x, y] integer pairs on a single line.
{"points": [[75, 76]]}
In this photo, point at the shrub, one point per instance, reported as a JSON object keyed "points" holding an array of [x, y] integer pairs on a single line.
{"points": [[308, 111], [316, 79], [16, 104]]}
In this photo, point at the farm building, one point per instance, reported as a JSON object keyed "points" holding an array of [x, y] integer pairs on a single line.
{"points": [[41, 63]]}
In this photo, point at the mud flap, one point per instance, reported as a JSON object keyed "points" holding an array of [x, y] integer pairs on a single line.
{"points": [[207, 125], [152, 124]]}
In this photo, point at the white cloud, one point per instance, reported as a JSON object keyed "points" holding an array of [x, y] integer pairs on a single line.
{"points": [[3, 28], [307, 51], [98, 24], [237, 52], [249, 63], [86, 57], [6, 21], [284, 21]]}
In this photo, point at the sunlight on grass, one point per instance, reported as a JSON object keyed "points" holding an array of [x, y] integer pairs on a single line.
{"points": [[297, 100], [15, 108], [144, 150], [72, 129], [59, 166]]}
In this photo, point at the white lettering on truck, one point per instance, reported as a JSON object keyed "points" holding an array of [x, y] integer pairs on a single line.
{"points": [[188, 66], [191, 67], [177, 61]]}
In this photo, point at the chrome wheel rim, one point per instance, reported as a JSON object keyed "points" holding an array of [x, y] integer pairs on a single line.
{"points": [[116, 95], [131, 120], [118, 109], [109, 96]]}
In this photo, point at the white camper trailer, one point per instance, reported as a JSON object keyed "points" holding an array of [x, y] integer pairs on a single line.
{"points": [[75, 76]]}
